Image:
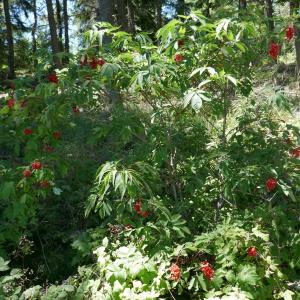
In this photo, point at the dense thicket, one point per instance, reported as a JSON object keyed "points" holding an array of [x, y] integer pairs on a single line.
{"points": [[149, 149]]}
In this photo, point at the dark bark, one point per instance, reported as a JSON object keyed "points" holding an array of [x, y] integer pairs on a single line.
{"points": [[295, 6], [242, 4], [105, 14], [158, 8], [131, 17], [66, 25], [122, 14], [34, 29], [180, 7], [10, 41], [105, 11], [59, 25], [270, 12], [207, 11], [53, 32]]}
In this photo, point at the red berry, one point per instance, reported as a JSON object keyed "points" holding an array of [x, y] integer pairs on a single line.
{"points": [[57, 135], [175, 272], [137, 206], [94, 63], [44, 184], [289, 33], [271, 184], [11, 103], [101, 61], [274, 50], [36, 165], [252, 251], [207, 270], [27, 173], [178, 57], [296, 152], [75, 109], [53, 77], [27, 131]]}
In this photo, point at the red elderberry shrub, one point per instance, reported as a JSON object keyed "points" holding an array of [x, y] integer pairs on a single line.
{"points": [[44, 184], [207, 270], [271, 184], [252, 251], [75, 109], [11, 103], [137, 206], [296, 152], [274, 50], [57, 135], [36, 165], [175, 272], [27, 173], [27, 131], [289, 33], [178, 57], [53, 78]]}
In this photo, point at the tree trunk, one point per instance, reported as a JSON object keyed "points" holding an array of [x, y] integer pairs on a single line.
{"points": [[122, 14], [66, 25], [242, 4], [33, 32], [53, 32], [158, 8], [207, 11], [295, 6], [105, 14], [105, 11], [270, 11], [59, 25], [131, 17], [180, 7], [10, 41]]}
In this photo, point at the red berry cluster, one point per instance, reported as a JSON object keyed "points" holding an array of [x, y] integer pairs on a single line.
{"points": [[274, 48], [296, 152], [175, 272], [289, 33], [11, 103], [271, 184], [75, 109], [53, 78], [252, 252], [138, 208], [36, 165], [94, 63], [56, 135], [27, 131], [207, 270], [178, 57]]}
